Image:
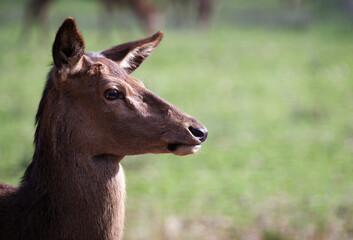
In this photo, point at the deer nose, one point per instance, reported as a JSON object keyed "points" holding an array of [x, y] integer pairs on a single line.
{"points": [[200, 133]]}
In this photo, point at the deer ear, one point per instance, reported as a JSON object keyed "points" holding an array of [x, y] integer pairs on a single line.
{"points": [[68, 47], [130, 55]]}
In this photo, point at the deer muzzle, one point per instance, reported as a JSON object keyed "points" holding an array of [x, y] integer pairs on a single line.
{"points": [[199, 133]]}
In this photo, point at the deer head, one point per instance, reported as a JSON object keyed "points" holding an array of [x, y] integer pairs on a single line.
{"points": [[112, 111]]}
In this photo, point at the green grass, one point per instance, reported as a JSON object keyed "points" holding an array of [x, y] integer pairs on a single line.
{"points": [[278, 104]]}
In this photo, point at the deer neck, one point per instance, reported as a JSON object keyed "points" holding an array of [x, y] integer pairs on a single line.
{"points": [[85, 193]]}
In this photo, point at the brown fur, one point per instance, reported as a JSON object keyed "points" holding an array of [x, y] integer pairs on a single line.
{"points": [[148, 12], [74, 187]]}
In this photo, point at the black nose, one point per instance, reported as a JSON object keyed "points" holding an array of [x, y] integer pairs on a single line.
{"points": [[200, 133]]}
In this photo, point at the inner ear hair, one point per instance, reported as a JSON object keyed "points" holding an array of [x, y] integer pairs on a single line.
{"points": [[136, 56], [130, 55], [68, 47]]}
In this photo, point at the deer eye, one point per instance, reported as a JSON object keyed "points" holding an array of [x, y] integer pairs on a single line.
{"points": [[112, 94]]}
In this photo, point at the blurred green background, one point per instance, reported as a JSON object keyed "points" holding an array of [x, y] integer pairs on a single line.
{"points": [[272, 82]]}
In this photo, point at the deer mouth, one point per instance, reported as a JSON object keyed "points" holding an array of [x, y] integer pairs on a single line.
{"points": [[183, 149]]}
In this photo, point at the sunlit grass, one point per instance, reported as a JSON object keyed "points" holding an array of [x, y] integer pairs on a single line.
{"points": [[278, 105]]}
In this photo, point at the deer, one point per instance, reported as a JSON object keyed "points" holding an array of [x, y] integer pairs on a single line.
{"points": [[147, 12], [204, 10], [91, 115]]}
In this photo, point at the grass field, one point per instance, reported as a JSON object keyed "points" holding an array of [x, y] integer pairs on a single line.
{"points": [[278, 104]]}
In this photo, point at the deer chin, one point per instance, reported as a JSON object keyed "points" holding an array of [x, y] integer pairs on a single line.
{"points": [[182, 149]]}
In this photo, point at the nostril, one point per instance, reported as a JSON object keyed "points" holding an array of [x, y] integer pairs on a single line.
{"points": [[200, 133]]}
